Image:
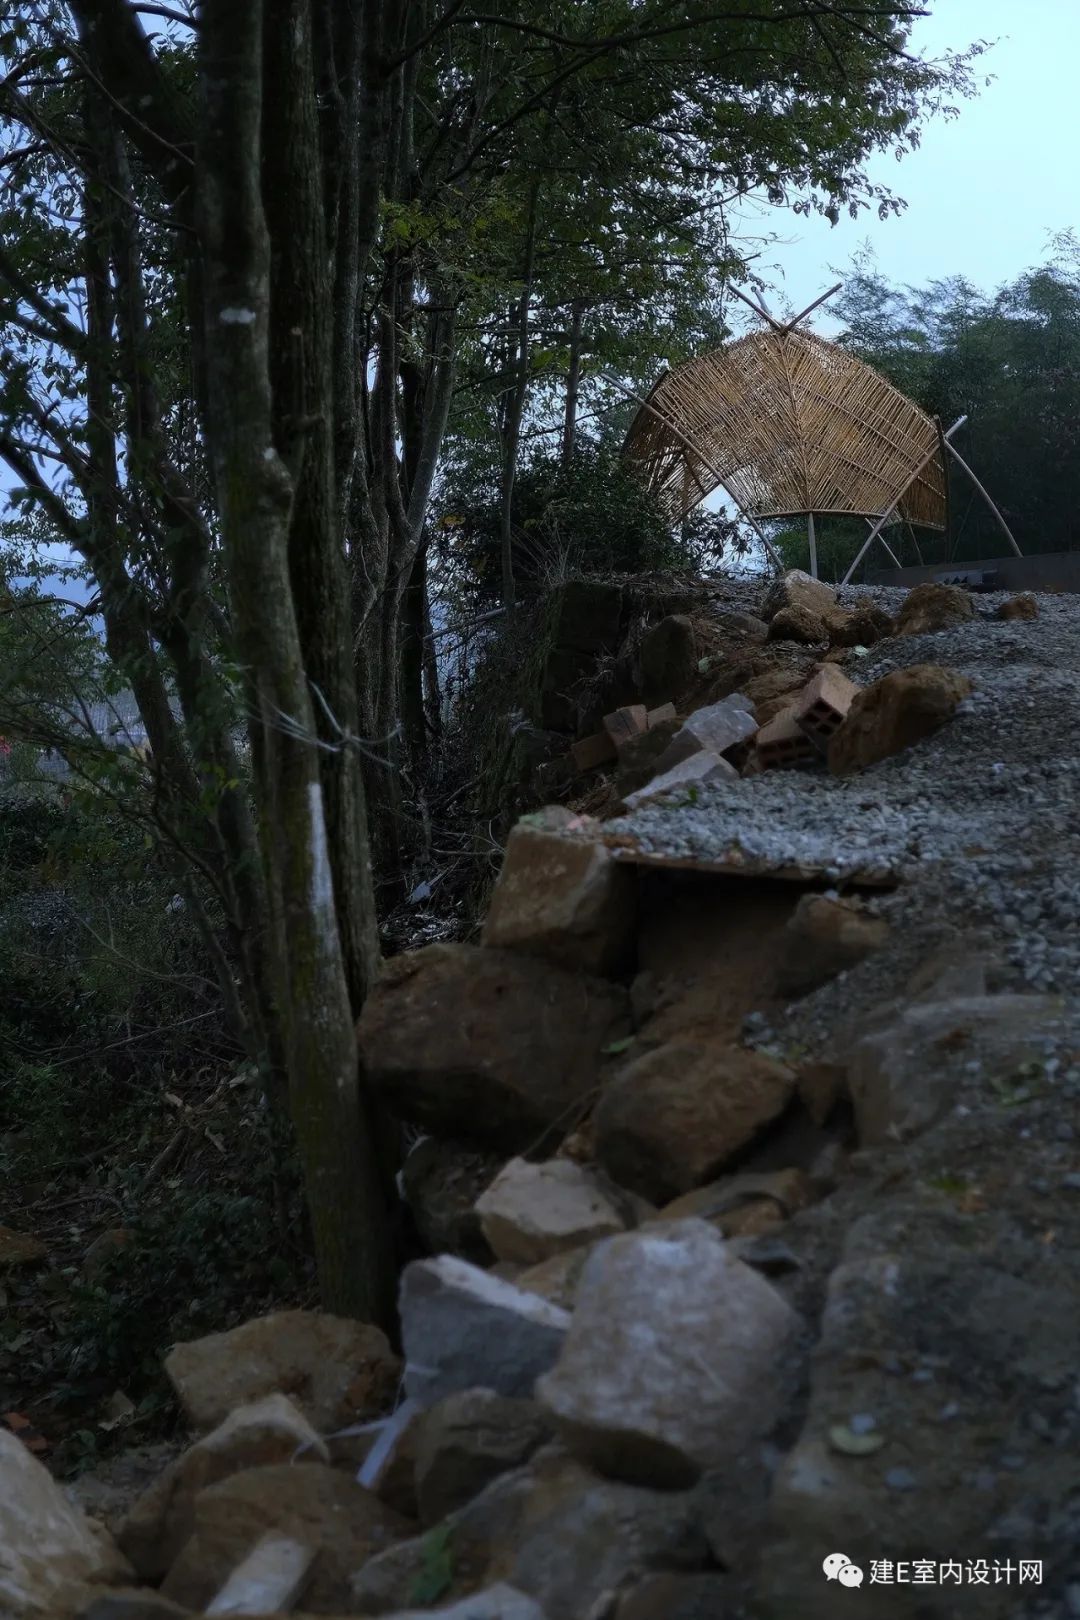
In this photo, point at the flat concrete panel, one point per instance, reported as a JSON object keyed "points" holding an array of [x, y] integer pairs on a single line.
{"points": [[1049, 571]]}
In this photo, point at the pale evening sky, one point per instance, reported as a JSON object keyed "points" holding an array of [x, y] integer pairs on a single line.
{"points": [[984, 189]]}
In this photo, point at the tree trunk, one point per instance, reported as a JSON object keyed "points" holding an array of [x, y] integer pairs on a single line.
{"points": [[514, 413], [348, 1213], [573, 383]]}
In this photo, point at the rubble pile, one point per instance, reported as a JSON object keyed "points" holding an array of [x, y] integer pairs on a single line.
{"points": [[753, 1207]]}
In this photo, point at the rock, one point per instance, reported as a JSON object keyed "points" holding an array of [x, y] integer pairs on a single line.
{"points": [[551, 1529], [667, 658], [796, 589], [638, 757], [493, 1603], [590, 753], [623, 723], [20, 1248], [441, 1182], [563, 898], [742, 624], [463, 1038], [47, 1548], [798, 624], [898, 1078], [466, 1441], [130, 1603], [587, 616], [315, 1505], [563, 672], [463, 1328], [272, 1430], [707, 1596], [104, 1247], [557, 1279], [336, 1371], [672, 1118], [782, 744], [532, 1211], [726, 1203], [108, 1492], [932, 607], [703, 1376], [780, 681], [895, 713], [711, 730], [823, 938], [862, 626], [686, 777], [1019, 607]]}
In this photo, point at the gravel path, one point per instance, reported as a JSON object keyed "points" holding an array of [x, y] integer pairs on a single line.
{"points": [[978, 824]]}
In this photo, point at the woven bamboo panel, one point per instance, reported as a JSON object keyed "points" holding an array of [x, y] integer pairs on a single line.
{"points": [[788, 423]]}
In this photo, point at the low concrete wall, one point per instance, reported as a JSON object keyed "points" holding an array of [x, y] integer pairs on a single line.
{"points": [[1050, 571]]}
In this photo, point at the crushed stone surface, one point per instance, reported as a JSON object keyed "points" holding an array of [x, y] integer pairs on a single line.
{"points": [[978, 825]]}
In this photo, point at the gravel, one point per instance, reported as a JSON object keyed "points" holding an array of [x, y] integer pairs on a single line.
{"points": [[977, 826]]}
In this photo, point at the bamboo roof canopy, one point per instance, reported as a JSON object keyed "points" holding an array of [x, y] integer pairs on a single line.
{"points": [[789, 423]]}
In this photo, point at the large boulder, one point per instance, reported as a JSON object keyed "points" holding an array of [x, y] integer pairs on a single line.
{"points": [[674, 1117], [272, 1430], [319, 1507], [565, 898], [799, 624], [894, 713], [551, 1529], [673, 1363], [47, 1548], [335, 1370], [463, 1328], [932, 607], [862, 626], [826, 936], [467, 1440], [796, 589], [667, 658], [532, 1211], [492, 1045]]}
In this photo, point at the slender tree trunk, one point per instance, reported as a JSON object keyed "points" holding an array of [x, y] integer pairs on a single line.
{"points": [[345, 1198], [573, 383], [515, 411]]}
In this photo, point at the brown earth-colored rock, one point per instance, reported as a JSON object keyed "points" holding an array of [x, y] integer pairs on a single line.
{"points": [[667, 657], [336, 1371], [271, 1430], [466, 1441], [317, 1505], [1019, 607], [797, 589], [533, 1211], [505, 1047], [671, 1119], [825, 937], [932, 607], [557, 1279], [563, 898], [862, 626], [797, 623], [894, 713]]}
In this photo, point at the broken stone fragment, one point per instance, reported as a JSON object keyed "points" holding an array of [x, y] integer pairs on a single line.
{"points": [[318, 1507], [494, 1045], [557, 1279], [627, 722], [726, 1203], [933, 607], [533, 1211], [862, 627], [466, 1441], [797, 589], [694, 772], [272, 1430], [552, 1529], [800, 624], [563, 898], [895, 713], [463, 1328], [711, 730], [671, 1119], [47, 1547], [335, 1370], [825, 937], [1024, 606], [591, 752], [667, 658], [673, 1361]]}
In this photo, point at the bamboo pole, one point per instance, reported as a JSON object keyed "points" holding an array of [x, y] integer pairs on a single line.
{"points": [[695, 450], [810, 308], [953, 451], [813, 544], [881, 522]]}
